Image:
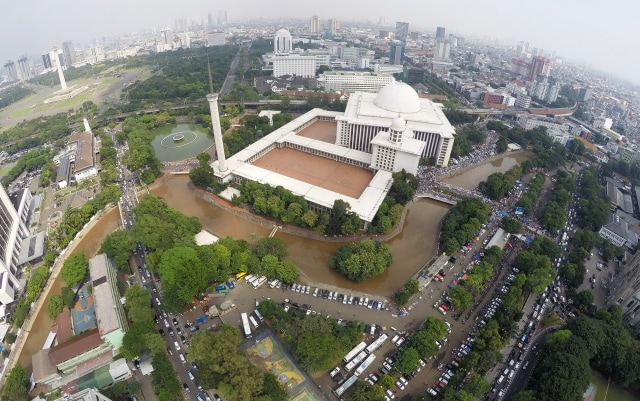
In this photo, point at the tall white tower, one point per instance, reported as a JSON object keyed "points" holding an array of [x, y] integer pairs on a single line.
{"points": [[63, 83], [212, 98]]}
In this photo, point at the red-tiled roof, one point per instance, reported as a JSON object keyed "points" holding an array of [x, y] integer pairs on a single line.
{"points": [[76, 346]]}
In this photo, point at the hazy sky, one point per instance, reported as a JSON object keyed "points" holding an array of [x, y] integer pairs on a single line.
{"points": [[603, 34]]}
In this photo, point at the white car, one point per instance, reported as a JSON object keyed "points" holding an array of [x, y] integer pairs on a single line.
{"points": [[334, 371]]}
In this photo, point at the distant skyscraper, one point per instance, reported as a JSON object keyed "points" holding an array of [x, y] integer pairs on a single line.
{"points": [[314, 24], [24, 69], [210, 20], [536, 52], [440, 32], [69, 53], [46, 60], [538, 66], [222, 17], [11, 71], [396, 54], [333, 25], [402, 31], [442, 50]]}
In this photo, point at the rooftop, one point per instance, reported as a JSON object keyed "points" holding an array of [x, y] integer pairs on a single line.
{"points": [[324, 131], [76, 346], [84, 150], [106, 312], [332, 175]]}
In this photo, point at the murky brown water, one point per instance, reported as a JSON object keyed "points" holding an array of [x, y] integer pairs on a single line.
{"points": [[89, 243], [471, 178], [411, 249]]}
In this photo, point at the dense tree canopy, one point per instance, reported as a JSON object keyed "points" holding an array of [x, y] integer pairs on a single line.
{"points": [[16, 386], [74, 269], [361, 260], [462, 223]]}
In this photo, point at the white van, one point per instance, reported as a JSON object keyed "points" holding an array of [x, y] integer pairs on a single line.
{"points": [[511, 374], [315, 292], [500, 379], [177, 345], [182, 358]]}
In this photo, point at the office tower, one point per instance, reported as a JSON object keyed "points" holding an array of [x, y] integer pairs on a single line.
{"points": [[24, 69], [584, 94], [212, 98], [535, 52], [383, 21], [12, 231], [222, 17], [46, 60], [396, 54], [402, 31], [333, 25], [442, 50], [10, 71], [210, 20], [69, 53], [440, 32], [314, 24], [538, 66]]}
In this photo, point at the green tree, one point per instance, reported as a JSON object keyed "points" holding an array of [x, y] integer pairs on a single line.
{"points": [[408, 361], [460, 297], [55, 306], [362, 260], [386, 381], [16, 386], [119, 246], [527, 395], [74, 269], [477, 385], [155, 343], [68, 297], [511, 225], [137, 304], [363, 391]]}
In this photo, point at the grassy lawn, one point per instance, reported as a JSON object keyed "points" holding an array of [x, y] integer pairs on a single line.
{"points": [[615, 393]]}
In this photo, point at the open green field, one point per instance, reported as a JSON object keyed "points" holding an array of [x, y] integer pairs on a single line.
{"points": [[614, 393]]}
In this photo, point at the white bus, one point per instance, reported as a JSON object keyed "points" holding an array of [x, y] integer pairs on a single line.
{"points": [[367, 362], [355, 361], [345, 386], [253, 322], [355, 351], [245, 325], [377, 343]]}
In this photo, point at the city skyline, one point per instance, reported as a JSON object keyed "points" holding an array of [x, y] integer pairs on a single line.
{"points": [[566, 29]]}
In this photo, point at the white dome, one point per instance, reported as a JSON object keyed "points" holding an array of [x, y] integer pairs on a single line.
{"points": [[282, 32], [398, 124], [399, 98]]}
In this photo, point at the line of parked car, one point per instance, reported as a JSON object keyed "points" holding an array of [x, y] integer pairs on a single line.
{"points": [[336, 296]]}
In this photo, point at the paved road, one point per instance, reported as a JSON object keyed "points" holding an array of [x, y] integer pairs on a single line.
{"points": [[231, 75]]}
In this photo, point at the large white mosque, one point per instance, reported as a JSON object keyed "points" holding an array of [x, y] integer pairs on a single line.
{"points": [[324, 155]]}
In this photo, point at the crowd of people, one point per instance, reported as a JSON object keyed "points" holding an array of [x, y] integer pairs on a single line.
{"points": [[182, 165]]}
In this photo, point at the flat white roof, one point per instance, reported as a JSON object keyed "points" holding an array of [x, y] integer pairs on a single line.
{"points": [[204, 237], [104, 300], [361, 109]]}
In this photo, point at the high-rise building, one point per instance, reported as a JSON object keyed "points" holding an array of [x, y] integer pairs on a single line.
{"points": [[24, 69], [440, 32], [69, 53], [14, 210], [222, 17], [584, 94], [333, 25], [46, 60], [216, 38], [210, 20], [538, 66], [442, 50], [396, 54], [402, 31], [314, 24], [11, 71]]}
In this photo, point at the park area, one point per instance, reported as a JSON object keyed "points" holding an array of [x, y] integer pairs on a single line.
{"points": [[598, 390], [265, 351]]}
